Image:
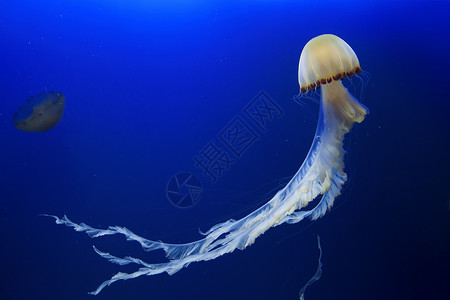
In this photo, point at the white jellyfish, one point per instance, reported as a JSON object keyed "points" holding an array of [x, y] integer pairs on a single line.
{"points": [[324, 61]]}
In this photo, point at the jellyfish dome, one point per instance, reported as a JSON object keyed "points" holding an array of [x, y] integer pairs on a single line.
{"points": [[40, 113], [324, 59]]}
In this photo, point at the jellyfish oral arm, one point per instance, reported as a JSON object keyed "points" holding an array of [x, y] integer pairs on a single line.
{"points": [[321, 175]]}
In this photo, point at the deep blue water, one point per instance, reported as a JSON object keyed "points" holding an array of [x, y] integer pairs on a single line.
{"points": [[150, 84]]}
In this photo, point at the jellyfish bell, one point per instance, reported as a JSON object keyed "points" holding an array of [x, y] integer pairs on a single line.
{"points": [[324, 59], [324, 62], [40, 113]]}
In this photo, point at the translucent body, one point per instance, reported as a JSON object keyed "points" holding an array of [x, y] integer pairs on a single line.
{"points": [[321, 175], [40, 113]]}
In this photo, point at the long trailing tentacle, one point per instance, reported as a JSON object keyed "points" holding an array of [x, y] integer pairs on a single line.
{"points": [[316, 275], [321, 174], [172, 266]]}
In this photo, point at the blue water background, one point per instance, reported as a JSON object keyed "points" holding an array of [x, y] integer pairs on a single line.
{"points": [[149, 84]]}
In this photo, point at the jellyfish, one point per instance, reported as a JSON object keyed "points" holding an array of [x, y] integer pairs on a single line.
{"points": [[40, 113], [324, 62]]}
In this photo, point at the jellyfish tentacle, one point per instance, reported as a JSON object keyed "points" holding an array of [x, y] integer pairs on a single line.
{"points": [[316, 275]]}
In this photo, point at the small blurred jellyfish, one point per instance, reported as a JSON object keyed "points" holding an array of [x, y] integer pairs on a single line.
{"points": [[40, 113], [324, 61]]}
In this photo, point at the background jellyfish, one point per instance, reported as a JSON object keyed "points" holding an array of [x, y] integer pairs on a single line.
{"points": [[40, 113], [325, 60]]}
